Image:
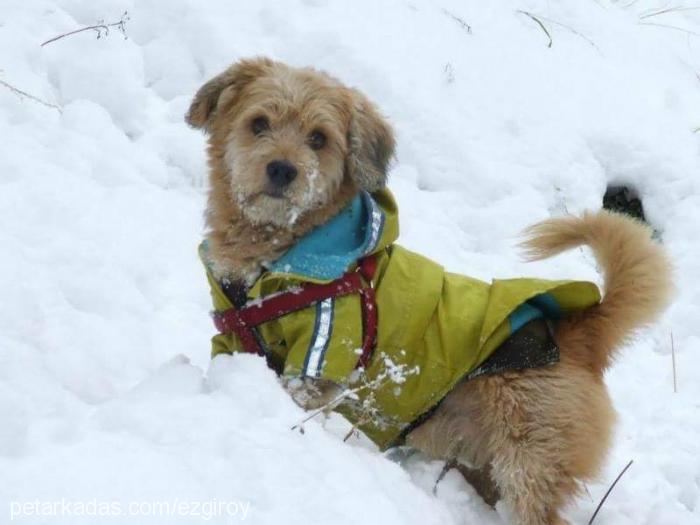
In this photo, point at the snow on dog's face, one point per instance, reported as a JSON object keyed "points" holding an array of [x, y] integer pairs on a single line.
{"points": [[287, 140]]}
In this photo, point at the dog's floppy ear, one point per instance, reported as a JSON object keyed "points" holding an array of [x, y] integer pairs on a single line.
{"points": [[222, 89], [371, 144]]}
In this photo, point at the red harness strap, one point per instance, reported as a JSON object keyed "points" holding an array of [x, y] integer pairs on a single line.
{"points": [[242, 321]]}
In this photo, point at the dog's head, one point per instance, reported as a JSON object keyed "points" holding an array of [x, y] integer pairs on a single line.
{"points": [[287, 140]]}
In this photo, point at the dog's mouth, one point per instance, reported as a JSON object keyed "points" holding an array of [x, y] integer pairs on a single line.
{"points": [[274, 193], [277, 194], [271, 205]]}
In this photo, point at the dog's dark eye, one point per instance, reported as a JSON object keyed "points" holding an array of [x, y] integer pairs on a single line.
{"points": [[259, 125], [317, 140]]}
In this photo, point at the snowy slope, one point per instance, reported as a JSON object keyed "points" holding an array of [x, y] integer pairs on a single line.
{"points": [[106, 389]]}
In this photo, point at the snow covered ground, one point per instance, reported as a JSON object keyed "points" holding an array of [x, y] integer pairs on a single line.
{"points": [[107, 394]]}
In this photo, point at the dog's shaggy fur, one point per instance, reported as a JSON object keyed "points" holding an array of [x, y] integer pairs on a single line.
{"points": [[530, 437]]}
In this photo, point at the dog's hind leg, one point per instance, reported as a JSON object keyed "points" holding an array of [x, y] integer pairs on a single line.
{"points": [[509, 467], [443, 436], [542, 431], [532, 486]]}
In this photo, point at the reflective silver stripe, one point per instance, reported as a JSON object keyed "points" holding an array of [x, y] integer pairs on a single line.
{"points": [[376, 225], [319, 339]]}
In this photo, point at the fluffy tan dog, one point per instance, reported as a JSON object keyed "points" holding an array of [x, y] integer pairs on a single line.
{"points": [[289, 148]]}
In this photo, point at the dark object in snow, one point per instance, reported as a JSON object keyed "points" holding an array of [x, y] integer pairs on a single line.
{"points": [[610, 490], [623, 199]]}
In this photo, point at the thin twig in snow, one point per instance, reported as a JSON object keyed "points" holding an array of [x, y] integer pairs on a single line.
{"points": [[23, 94], [352, 432], [682, 30], [459, 20], [678, 9], [449, 465], [539, 23], [100, 28], [600, 505]]}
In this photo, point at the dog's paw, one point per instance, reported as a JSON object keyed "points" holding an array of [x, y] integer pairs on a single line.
{"points": [[311, 394]]}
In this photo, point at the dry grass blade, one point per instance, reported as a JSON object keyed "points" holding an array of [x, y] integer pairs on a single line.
{"points": [[600, 505], [666, 26], [673, 360], [24, 94], [571, 30], [459, 20], [679, 9], [539, 23]]}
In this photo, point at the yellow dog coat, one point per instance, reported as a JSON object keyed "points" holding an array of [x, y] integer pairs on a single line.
{"points": [[434, 327]]}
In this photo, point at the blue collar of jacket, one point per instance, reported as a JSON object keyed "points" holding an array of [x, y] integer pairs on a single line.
{"points": [[327, 252]]}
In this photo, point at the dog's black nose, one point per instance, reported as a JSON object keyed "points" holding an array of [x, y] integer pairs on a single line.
{"points": [[281, 172]]}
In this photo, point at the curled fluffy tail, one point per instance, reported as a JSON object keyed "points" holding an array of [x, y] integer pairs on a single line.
{"points": [[637, 274]]}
